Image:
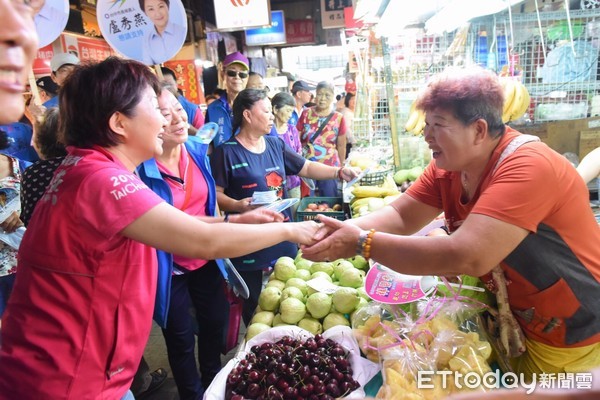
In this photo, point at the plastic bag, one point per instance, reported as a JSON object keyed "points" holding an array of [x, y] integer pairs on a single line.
{"points": [[446, 335], [13, 239], [363, 369]]}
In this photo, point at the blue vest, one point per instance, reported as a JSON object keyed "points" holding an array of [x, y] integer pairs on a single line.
{"points": [[150, 175]]}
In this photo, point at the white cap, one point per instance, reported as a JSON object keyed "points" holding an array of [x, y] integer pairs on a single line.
{"points": [[61, 59]]}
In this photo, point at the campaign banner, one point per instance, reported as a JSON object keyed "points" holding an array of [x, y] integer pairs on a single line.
{"points": [[150, 31], [51, 20], [241, 14], [300, 31]]}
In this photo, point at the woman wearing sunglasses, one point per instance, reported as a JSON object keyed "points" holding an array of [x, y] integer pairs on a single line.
{"points": [[235, 77]]}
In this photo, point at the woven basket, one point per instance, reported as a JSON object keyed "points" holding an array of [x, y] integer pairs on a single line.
{"points": [[374, 178]]}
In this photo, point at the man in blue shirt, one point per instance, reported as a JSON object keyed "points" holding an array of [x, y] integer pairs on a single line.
{"points": [[235, 75], [302, 94]]}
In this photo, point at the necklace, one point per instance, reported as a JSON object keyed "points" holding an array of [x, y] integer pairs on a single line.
{"points": [[466, 185]]}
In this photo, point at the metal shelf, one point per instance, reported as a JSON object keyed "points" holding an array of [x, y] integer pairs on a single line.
{"points": [[544, 16], [544, 89]]}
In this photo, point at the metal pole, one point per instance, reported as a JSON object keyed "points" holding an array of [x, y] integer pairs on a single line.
{"points": [[389, 91]]}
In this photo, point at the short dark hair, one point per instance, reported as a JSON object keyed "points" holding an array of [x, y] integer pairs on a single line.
{"points": [[143, 3], [168, 71], [253, 73], [46, 137], [283, 99], [94, 92], [244, 101], [347, 99]]}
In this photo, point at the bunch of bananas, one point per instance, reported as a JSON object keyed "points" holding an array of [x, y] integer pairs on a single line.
{"points": [[387, 188], [516, 99], [416, 121]]}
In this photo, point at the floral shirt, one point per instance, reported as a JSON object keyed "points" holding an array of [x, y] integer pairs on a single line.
{"points": [[291, 138], [8, 255], [324, 147]]}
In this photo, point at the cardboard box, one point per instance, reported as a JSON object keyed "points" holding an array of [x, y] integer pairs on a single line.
{"points": [[588, 141], [564, 136]]}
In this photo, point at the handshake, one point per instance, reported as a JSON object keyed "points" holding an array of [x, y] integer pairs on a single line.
{"points": [[331, 239]]}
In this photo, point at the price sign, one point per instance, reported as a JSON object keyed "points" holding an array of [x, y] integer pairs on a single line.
{"points": [[386, 286]]}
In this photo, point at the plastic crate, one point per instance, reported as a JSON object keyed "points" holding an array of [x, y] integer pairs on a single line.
{"points": [[374, 178], [302, 215]]}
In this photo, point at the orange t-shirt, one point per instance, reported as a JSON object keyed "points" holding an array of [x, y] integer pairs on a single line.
{"points": [[554, 273]]}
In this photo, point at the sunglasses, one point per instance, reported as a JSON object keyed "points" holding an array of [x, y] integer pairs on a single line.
{"points": [[232, 74]]}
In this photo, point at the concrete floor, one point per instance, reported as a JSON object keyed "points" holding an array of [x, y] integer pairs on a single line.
{"points": [[156, 356]]}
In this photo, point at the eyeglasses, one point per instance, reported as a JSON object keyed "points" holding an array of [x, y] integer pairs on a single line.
{"points": [[232, 74]]}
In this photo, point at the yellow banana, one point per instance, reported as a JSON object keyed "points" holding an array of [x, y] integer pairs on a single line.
{"points": [[413, 118], [373, 191], [359, 202], [519, 108], [420, 125], [510, 88]]}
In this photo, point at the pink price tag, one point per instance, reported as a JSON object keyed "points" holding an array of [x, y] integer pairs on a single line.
{"points": [[386, 286]]}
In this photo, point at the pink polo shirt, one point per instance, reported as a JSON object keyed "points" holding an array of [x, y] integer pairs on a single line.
{"points": [[190, 196], [81, 309]]}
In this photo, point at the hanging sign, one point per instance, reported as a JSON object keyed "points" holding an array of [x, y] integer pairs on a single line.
{"points": [[186, 75], [234, 15], [299, 31], [51, 20], [150, 31], [275, 34], [332, 13]]}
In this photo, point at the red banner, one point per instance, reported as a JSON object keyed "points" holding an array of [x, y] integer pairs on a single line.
{"points": [[86, 48], [187, 79], [300, 31], [83, 47], [41, 63]]}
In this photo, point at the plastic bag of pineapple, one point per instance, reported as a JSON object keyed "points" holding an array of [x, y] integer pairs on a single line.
{"points": [[378, 326], [425, 357]]}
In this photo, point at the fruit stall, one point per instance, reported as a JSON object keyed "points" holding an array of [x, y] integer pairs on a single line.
{"points": [[350, 329]]}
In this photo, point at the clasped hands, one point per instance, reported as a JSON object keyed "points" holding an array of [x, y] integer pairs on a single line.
{"points": [[334, 239]]}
